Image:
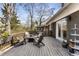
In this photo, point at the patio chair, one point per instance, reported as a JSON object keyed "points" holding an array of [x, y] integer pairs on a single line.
{"points": [[39, 43]]}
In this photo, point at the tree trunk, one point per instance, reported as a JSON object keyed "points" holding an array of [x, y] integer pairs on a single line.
{"points": [[8, 27]]}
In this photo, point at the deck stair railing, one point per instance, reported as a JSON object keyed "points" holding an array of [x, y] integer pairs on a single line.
{"points": [[12, 39]]}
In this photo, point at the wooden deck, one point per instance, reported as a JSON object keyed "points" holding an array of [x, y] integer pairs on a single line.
{"points": [[52, 48]]}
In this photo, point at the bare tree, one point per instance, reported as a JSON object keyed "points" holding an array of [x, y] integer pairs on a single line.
{"points": [[29, 7], [43, 12], [7, 11], [39, 11]]}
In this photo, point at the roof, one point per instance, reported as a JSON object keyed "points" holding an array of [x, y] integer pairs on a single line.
{"points": [[52, 18], [64, 12], [44, 22]]}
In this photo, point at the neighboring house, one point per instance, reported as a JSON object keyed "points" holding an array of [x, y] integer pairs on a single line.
{"points": [[64, 25]]}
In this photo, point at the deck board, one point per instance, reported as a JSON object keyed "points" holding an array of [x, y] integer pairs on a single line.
{"points": [[52, 48]]}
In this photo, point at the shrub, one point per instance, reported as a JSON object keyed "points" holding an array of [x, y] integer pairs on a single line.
{"points": [[5, 35]]}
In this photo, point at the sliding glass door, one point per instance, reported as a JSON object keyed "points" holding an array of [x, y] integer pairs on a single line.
{"points": [[61, 29]]}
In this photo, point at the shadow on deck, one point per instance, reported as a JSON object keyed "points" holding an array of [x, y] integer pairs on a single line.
{"points": [[52, 48]]}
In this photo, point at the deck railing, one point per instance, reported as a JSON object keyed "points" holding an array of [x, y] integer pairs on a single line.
{"points": [[12, 39]]}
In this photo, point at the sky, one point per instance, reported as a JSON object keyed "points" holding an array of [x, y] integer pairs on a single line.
{"points": [[22, 15]]}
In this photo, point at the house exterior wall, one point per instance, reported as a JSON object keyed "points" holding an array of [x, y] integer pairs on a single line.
{"points": [[70, 10], [74, 19], [49, 30], [45, 30], [54, 29]]}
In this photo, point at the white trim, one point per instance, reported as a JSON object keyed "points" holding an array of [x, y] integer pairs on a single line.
{"points": [[61, 23], [59, 38]]}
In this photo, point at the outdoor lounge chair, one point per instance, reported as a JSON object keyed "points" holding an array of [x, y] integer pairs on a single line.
{"points": [[39, 43]]}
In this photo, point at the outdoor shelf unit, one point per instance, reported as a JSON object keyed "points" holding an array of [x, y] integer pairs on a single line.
{"points": [[75, 42]]}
